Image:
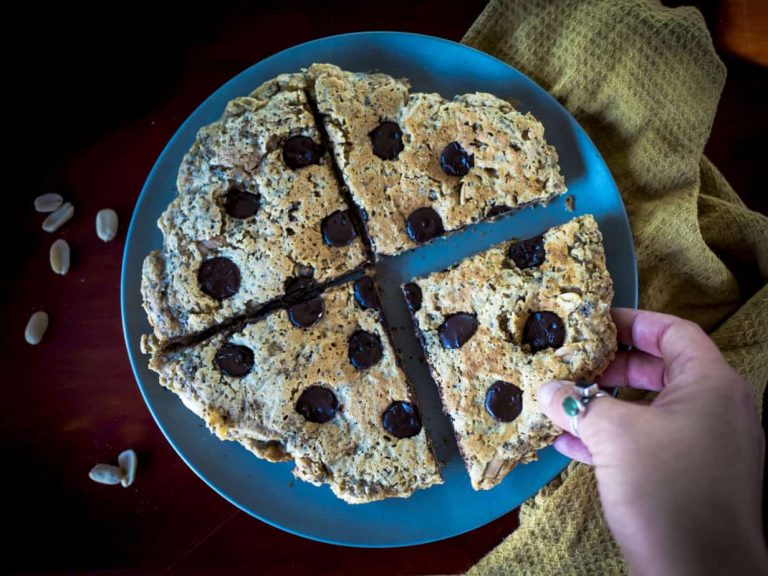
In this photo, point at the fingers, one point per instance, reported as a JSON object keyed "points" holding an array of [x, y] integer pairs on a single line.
{"points": [[568, 445], [636, 369], [603, 414], [661, 335]]}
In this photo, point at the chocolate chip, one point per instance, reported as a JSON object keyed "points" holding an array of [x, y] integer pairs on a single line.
{"points": [[241, 204], [364, 349], [234, 360], [338, 229], [365, 293], [424, 224], [412, 296], [219, 277], [543, 330], [300, 151], [528, 253], [457, 329], [497, 210], [402, 419], [504, 401], [455, 161], [298, 284], [317, 404], [307, 313], [387, 140]]}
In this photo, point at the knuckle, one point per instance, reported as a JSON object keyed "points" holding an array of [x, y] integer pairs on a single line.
{"points": [[687, 330], [690, 325]]}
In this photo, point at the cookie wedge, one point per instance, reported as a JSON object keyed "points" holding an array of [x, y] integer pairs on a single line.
{"points": [[499, 324], [258, 206], [418, 165], [318, 384]]}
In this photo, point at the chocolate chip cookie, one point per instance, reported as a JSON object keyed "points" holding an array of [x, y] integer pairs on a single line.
{"points": [[499, 324], [325, 392], [259, 328]]}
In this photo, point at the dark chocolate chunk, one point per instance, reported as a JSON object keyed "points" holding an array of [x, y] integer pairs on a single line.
{"points": [[307, 313], [504, 401], [234, 360], [317, 404], [497, 210], [300, 151], [455, 161], [338, 229], [298, 284], [240, 204], [412, 296], [402, 419], [543, 330], [528, 253], [424, 224], [457, 329], [387, 140], [219, 277], [365, 293], [364, 349]]}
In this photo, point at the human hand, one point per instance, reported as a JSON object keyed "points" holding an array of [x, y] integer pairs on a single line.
{"points": [[680, 477]]}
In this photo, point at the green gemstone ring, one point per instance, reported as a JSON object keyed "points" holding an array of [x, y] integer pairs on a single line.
{"points": [[571, 406], [576, 404]]}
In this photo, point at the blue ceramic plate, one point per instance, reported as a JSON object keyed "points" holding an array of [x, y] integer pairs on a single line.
{"points": [[268, 491]]}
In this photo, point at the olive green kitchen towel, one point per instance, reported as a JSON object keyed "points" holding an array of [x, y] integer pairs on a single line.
{"points": [[644, 81]]}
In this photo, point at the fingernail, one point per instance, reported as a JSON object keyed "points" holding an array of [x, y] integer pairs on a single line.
{"points": [[546, 392]]}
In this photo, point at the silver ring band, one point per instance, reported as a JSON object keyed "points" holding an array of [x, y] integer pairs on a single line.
{"points": [[575, 405]]}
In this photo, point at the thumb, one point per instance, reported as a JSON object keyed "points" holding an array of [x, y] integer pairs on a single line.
{"points": [[603, 418]]}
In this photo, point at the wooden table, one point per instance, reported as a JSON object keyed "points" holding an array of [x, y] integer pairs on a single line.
{"points": [[102, 101]]}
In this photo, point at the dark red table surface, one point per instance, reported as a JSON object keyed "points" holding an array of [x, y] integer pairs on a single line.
{"points": [[95, 99]]}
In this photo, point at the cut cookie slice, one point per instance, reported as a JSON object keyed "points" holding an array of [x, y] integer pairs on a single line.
{"points": [[499, 324], [418, 165], [317, 383], [259, 213]]}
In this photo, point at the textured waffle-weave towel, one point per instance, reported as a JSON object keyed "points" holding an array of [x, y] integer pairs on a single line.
{"points": [[644, 81]]}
